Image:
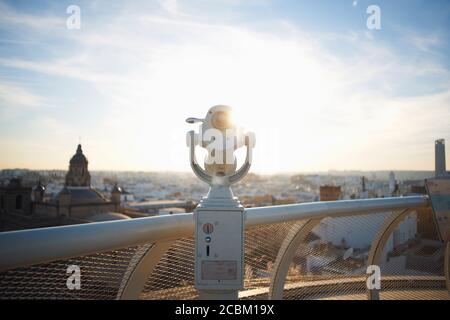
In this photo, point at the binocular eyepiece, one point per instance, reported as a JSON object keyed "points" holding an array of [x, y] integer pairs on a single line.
{"points": [[221, 137]]}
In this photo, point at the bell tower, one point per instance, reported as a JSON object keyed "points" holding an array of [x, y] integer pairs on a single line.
{"points": [[78, 175]]}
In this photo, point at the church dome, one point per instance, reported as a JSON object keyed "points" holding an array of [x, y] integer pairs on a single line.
{"points": [[78, 157], [78, 175]]}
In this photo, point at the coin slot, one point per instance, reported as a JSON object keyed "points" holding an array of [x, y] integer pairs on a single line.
{"points": [[207, 251], [208, 228]]}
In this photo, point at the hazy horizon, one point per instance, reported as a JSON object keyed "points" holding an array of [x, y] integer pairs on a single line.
{"points": [[330, 171]]}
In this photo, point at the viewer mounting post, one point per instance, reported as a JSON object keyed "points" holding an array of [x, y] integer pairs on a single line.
{"points": [[219, 217]]}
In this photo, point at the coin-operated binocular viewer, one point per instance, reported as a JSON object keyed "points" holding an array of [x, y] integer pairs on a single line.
{"points": [[219, 217]]}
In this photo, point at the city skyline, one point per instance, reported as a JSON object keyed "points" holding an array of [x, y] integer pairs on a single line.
{"points": [[331, 171], [320, 90]]}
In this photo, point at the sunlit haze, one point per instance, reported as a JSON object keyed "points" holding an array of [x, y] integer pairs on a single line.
{"points": [[318, 88]]}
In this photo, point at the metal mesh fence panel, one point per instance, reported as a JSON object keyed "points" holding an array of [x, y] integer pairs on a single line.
{"points": [[103, 276], [262, 245], [413, 266], [330, 263], [332, 259], [173, 277]]}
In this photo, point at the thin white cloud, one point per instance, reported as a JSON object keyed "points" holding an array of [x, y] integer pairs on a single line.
{"points": [[10, 18], [14, 96], [67, 68], [170, 6], [426, 43]]}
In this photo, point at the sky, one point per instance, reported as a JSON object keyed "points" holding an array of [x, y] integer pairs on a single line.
{"points": [[319, 88]]}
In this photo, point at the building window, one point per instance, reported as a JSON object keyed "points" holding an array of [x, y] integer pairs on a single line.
{"points": [[19, 202]]}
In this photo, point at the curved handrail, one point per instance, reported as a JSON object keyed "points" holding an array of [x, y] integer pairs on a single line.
{"points": [[27, 247], [292, 212]]}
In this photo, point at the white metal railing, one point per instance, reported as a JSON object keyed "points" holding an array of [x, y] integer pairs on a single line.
{"points": [[29, 247]]}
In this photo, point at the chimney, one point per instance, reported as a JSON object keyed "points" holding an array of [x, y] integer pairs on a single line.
{"points": [[439, 149]]}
